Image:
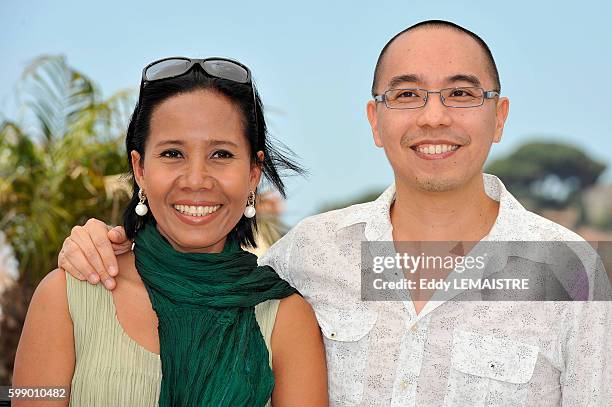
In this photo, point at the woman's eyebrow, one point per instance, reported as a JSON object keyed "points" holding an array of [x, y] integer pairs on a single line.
{"points": [[170, 142], [222, 142], [214, 142]]}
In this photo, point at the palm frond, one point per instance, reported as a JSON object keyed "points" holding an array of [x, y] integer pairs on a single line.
{"points": [[53, 175]]}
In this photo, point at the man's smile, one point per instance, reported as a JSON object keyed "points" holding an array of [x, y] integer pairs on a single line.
{"points": [[435, 151]]}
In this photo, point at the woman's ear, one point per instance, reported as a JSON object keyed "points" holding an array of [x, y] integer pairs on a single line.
{"points": [[138, 168], [256, 171]]}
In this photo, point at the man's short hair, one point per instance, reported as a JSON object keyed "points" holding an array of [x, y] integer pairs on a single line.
{"points": [[492, 68]]}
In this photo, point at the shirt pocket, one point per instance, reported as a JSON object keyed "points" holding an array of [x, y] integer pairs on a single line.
{"points": [[487, 371], [346, 334]]}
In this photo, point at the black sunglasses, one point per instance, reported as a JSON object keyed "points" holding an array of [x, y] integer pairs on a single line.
{"points": [[216, 67]]}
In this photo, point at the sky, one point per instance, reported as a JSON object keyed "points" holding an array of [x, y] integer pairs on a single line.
{"points": [[313, 63]]}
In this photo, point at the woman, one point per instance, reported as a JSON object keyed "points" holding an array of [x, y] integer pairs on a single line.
{"points": [[192, 321]]}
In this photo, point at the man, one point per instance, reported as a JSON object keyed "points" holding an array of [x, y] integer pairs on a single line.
{"points": [[419, 352]]}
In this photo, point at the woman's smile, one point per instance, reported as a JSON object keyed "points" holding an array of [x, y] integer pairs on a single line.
{"points": [[193, 213]]}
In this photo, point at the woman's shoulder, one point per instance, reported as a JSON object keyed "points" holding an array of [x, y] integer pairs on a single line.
{"points": [[127, 268], [75, 289], [87, 303], [47, 337], [295, 317], [296, 306], [52, 287], [298, 352], [49, 304], [282, 320]]}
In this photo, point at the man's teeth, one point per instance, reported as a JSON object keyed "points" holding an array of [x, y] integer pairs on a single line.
{"points": [[196, 210], [436, 148]]}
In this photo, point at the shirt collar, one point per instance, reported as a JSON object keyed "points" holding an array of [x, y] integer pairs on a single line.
{"points": [[376, 214], [510, 209]]}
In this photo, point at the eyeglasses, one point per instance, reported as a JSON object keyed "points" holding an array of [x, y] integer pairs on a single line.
{"points": [[223, 68], [450, 97]]}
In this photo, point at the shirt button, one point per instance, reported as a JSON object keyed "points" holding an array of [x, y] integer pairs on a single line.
{"points": [[414, 328], [404, 384], [333, 334]]}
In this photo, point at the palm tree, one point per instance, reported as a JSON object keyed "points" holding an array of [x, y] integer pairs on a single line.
{"points": [[58, 164]]}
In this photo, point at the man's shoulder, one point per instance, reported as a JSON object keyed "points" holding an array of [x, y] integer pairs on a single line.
{"points": [[331, 221], [313, 234], [321, 228], [536, 227]]}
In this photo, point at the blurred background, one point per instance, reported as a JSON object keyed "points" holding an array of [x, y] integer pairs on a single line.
{"points": [[71, 71]]}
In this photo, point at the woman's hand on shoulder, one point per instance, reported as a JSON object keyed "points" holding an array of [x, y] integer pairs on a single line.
{"points": [[298, 356]]}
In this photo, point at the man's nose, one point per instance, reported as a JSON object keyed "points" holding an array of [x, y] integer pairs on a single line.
{"points": [[434, 113]]}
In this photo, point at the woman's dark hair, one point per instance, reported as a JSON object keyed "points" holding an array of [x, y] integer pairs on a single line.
{"points": [[276, 158]]}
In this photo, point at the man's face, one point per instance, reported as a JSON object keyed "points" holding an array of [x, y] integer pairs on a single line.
{"points": [[459, 138]]}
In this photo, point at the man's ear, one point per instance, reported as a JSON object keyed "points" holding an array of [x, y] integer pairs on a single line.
{"points": [[373, 119], [502, 109], [138, 168], [256, 171]]}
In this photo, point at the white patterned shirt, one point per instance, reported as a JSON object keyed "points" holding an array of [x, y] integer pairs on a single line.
{"points": [[382, 353]]}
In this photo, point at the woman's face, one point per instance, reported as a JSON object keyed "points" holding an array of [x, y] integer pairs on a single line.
{"points": [[197, 171]]}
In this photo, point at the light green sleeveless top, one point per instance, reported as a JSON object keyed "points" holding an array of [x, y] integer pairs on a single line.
{"points": [[111, 368]]}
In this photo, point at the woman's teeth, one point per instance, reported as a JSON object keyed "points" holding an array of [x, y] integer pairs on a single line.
{"points": [[196, 210], [436, 149]]}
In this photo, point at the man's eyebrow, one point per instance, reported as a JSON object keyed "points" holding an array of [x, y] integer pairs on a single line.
{"points": [[412, 78], [471, 79], [398, 80]]}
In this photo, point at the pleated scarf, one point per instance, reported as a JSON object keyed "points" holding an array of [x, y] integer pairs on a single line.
{"points": [[211, 347]]}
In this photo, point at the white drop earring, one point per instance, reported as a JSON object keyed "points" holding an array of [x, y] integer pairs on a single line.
{"points": [[250, 211], [141, 208]]}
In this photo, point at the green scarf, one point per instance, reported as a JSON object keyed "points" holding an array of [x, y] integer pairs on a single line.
{"points": [[212, 350]]}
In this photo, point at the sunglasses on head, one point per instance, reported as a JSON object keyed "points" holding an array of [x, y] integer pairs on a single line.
{"points": [[173, 67], [216, 67]]}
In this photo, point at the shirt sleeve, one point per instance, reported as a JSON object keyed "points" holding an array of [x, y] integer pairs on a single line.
{"points": [[278, 255], [588, 355]]}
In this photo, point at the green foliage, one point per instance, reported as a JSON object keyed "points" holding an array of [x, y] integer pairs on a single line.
{"points": [[604, 222], [56, 162], [362, 198], [550, 174]]}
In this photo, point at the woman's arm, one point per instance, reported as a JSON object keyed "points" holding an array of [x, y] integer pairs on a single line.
{"points": [[298, 356], [45, 355]]}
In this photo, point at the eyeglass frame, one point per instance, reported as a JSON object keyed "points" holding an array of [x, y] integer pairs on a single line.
{"points": [[486, 94], [200, 62]]}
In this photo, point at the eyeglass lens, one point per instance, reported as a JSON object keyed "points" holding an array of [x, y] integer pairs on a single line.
{"points": [[451, 97], [167, 69], [226, 70]]}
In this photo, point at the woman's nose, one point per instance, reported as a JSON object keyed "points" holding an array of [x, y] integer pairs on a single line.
{"points": [[198, 176]]}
